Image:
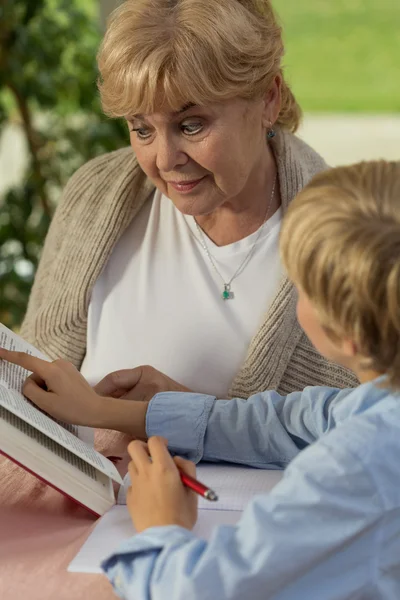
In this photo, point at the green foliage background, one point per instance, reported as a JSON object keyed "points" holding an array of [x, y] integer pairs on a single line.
{"points": [[342, 55], [47, 89]]}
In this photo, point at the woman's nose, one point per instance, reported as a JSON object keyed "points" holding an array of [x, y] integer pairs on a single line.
{"points": [[169, 155]]}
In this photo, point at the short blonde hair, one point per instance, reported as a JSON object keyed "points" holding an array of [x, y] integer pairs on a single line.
{"points": [[191, 51], [340, 243]]}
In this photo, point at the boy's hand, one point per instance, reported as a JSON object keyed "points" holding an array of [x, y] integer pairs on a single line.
{"points": [[58, 388], [157, 496]]}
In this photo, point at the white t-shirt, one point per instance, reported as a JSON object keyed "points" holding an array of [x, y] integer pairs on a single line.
{"points": [[159, 302]]}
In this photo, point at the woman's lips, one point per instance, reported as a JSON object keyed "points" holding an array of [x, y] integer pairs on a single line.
{"points": [[185, 186]]}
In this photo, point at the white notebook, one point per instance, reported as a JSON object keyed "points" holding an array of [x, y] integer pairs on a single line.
{"points": [[235, 487]]}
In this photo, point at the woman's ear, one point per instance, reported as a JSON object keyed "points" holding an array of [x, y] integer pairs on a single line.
{"points": [[349, 348], [272, 102]]}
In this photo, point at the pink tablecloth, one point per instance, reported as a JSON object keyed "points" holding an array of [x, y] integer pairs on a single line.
{"points": [[41, 531]]}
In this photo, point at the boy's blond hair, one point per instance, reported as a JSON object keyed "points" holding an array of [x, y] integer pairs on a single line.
{"points": [[340, 244], [191, 51]]}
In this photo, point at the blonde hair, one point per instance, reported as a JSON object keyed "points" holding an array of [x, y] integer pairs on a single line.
{"points": [[191, 51], [340, 243]]}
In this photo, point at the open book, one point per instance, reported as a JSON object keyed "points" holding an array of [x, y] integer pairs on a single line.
{"points": [[52, 451], [235, 486]]}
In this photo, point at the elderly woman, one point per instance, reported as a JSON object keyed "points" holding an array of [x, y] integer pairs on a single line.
{"points": [[166, 253]]}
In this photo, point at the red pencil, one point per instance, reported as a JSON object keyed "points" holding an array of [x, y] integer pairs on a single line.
{"points": [[198, 487], [189, 481]]}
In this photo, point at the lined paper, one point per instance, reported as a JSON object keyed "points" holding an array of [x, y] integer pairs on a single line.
{"points": [[234, 485]]}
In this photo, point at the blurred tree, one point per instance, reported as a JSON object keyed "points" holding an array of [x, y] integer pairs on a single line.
{"points": [[47, 89]]}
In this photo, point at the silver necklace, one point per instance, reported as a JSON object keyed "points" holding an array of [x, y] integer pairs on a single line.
{"points": [[227, 293]]}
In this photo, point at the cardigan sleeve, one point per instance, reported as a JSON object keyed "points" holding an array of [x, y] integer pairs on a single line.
{"points": [[99, 201], [35, 324]]}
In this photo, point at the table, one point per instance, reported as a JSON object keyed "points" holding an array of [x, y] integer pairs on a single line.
{"points": [[41, 531]]}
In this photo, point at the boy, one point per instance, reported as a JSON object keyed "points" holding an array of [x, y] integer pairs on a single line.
{"points": [[330, 530]]}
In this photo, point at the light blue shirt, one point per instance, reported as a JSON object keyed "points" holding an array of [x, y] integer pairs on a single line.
{"points": [[330, 530]]}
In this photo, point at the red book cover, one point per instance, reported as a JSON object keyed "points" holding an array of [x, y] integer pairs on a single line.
{"points": [[48, 483]]}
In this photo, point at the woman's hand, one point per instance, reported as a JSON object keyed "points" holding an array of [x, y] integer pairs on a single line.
{"points": [[157, 496], [58, 388], [141, 383]]}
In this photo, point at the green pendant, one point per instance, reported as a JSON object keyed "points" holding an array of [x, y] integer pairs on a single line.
{"points": [[227, 294]]}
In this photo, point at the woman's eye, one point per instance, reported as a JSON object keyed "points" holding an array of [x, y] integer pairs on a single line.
{"points": [[192, 128], [142, 133]]}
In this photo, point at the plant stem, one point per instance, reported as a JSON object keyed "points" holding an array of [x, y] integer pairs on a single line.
{"points": [[33, 146]]}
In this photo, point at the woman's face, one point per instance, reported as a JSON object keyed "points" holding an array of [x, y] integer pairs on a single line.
{"points": [[200, 157]]}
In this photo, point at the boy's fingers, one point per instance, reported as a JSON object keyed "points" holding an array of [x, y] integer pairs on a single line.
{"points": [[129, 497], [158, 448], [37, 394], [185, 465], [139, 454], [134, 443], [26, 361], [38, 380], [132, 469]]}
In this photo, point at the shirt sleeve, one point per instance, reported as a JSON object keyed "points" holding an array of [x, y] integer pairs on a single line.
{"points": [[321, 523], [265, 431]]}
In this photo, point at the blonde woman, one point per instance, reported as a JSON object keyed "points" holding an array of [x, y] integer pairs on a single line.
{"points": [[166, 253]]}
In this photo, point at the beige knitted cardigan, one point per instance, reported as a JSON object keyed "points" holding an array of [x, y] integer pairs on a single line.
{"points": [[98, 204]]}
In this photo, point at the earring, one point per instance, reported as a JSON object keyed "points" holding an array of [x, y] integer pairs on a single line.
{"points": [[271, 133]]}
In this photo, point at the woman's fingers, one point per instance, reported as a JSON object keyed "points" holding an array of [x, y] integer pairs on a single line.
{"points": [[118, 382], [140, 393]]}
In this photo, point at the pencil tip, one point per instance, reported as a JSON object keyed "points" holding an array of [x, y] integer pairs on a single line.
{"points": [[211, 495]]}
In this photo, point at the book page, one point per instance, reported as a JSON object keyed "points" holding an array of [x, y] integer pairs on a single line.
{"points": [[235, 485], [18, 405], [46, 442], [12, 376], [54, 464]]}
